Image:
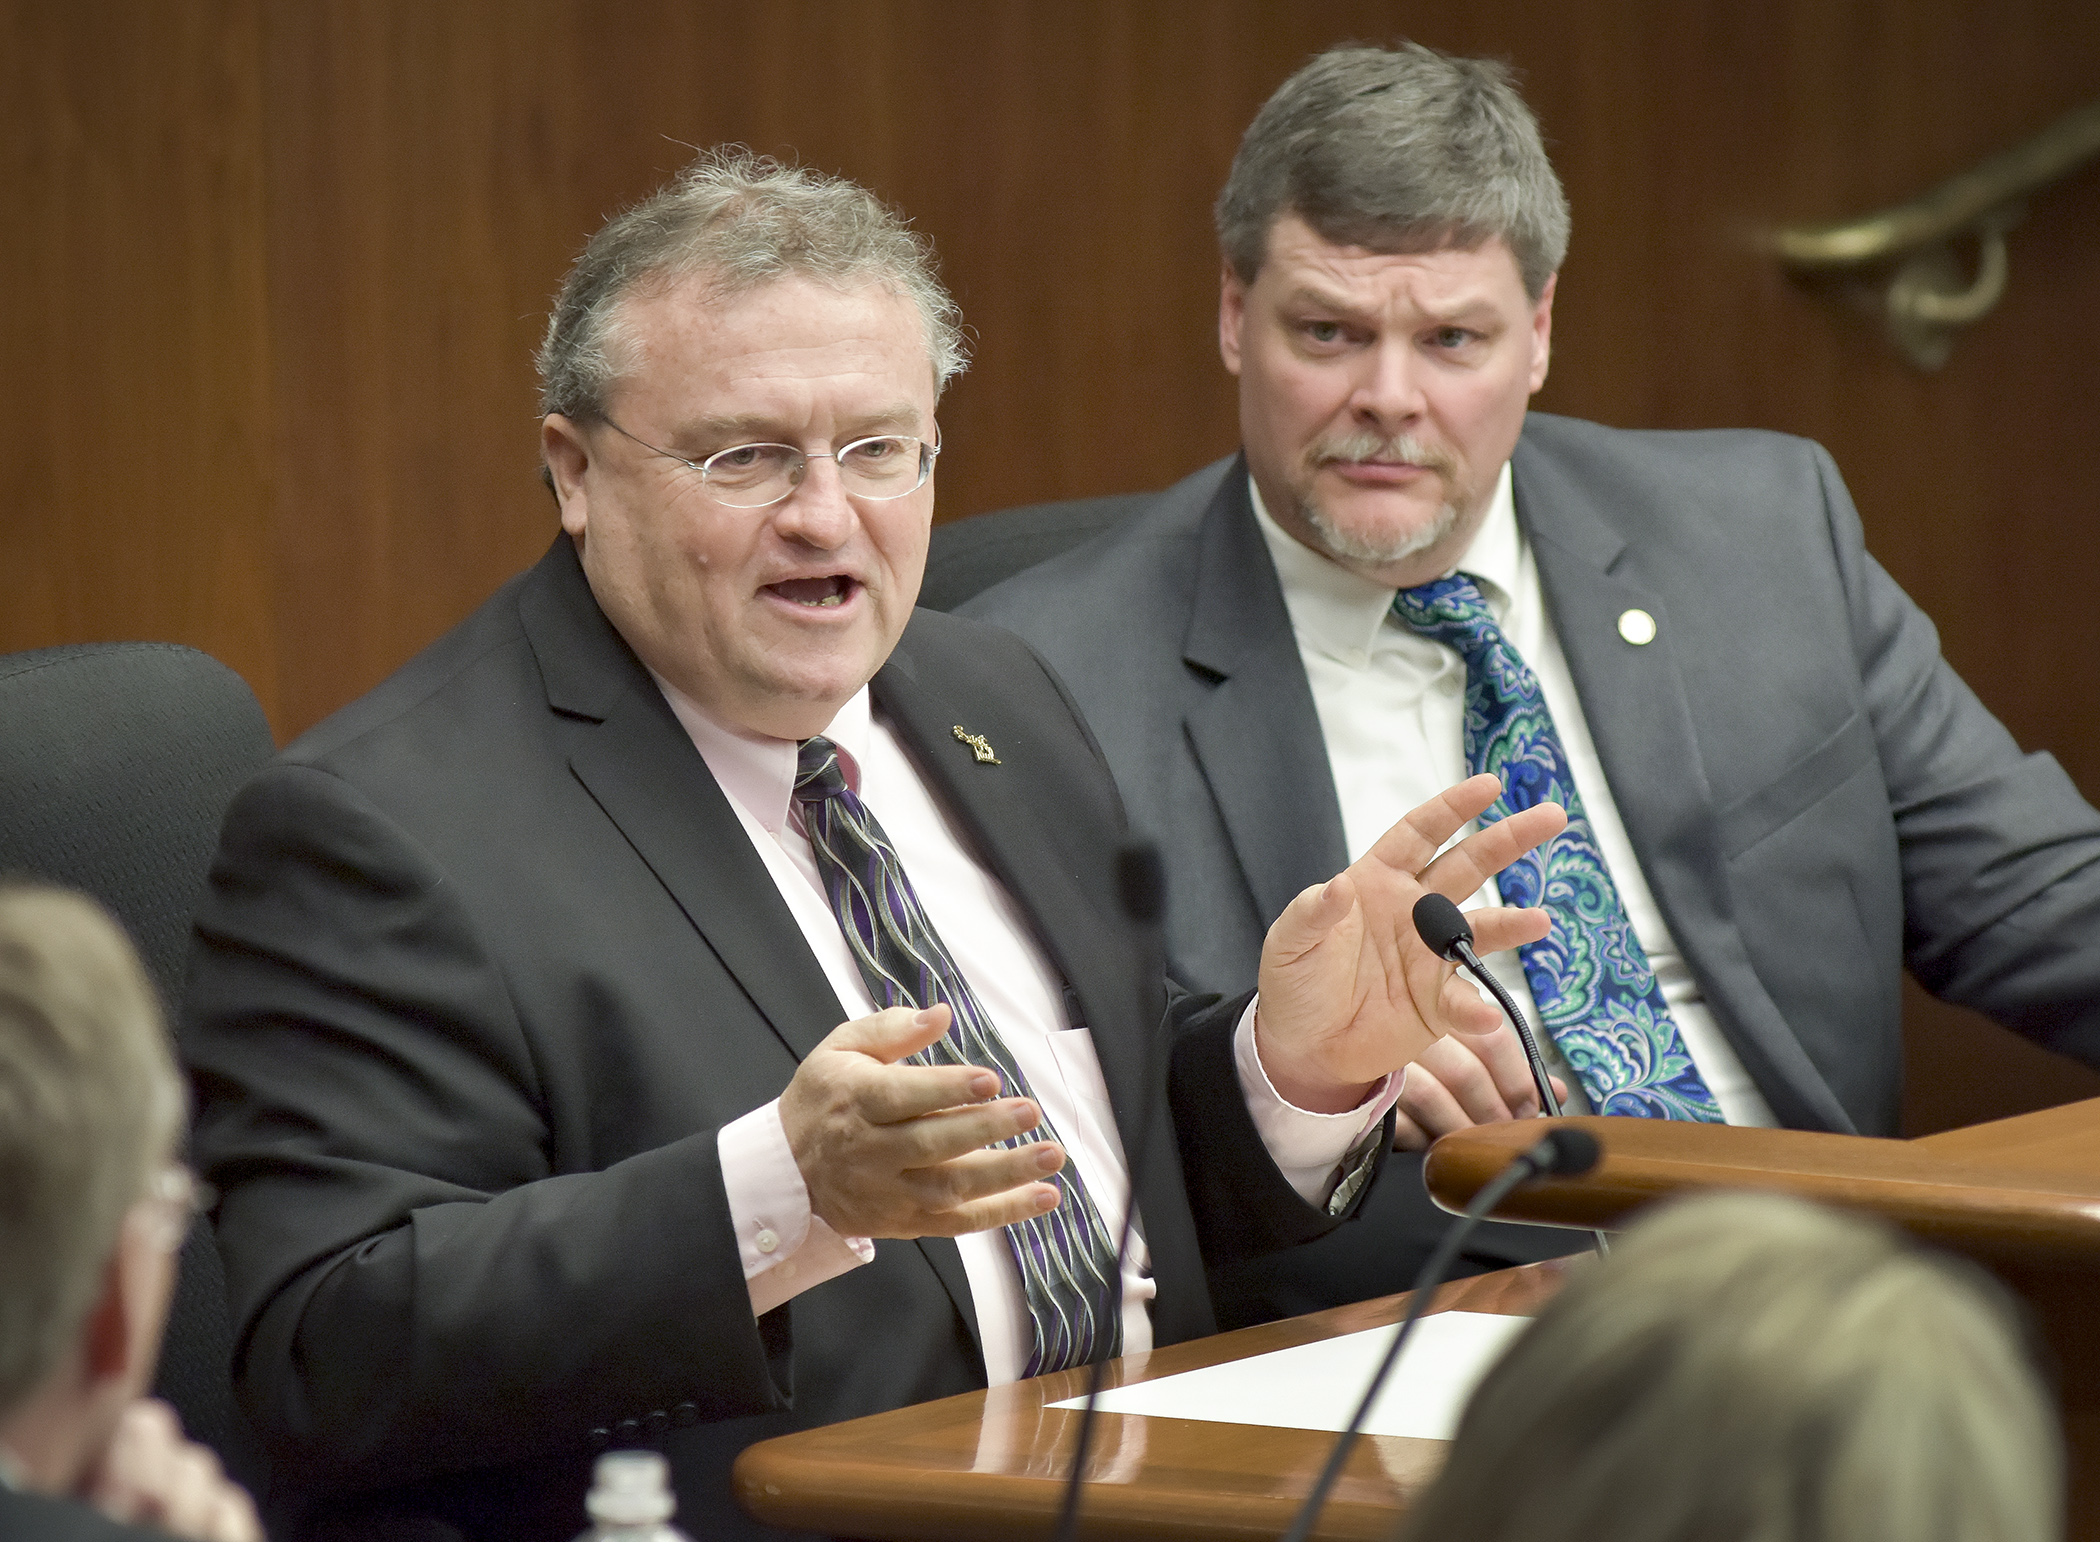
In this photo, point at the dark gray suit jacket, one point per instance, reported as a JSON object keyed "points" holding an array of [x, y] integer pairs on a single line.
{"points": [[485, 964], [1817, 801]]}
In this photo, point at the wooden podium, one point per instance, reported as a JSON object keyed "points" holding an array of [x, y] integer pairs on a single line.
{"points": [[2021, 1196]]}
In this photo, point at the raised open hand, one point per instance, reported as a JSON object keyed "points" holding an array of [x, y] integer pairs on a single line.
{"points": [[1348, 991]]}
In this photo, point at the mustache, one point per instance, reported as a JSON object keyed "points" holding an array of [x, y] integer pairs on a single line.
{"points": [[1367, 445]]}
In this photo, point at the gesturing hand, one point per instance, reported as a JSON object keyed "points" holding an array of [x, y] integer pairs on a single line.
{"points": [[889, 1150], [152, 1476], [1348, 991], [1465, 1078]]}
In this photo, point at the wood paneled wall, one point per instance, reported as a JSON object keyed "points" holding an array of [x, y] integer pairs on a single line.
{"points": [[275, 269]]}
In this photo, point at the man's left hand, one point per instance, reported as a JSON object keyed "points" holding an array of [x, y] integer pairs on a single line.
{"points": [[1348, 992], [153, 1476]]}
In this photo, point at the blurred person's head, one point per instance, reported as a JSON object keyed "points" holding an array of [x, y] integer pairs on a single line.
{"points": [[1747, 1368], [92, 1205], [1391, 231]]}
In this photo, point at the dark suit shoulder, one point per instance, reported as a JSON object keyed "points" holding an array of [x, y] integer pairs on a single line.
{"points": [[39, 1518], [454, 667], [1601, 441], [1124, 565], [1710, 459], [1682, 500]]}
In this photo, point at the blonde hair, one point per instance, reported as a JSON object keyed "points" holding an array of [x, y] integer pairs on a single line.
{"points": [[90, 1104], [1746, 1368]]}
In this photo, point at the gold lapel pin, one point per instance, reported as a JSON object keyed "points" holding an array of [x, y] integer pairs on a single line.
{"points": [[1637, 627], [980, 747]]}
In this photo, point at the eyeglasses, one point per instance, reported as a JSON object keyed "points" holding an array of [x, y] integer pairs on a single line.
{"points": [[755, 476], [177, 1197]]}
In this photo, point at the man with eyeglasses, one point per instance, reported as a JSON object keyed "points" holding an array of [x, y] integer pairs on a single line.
{"points": [[572, 1014], [93, 1208]]}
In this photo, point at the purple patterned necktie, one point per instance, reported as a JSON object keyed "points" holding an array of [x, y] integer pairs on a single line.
{"points": [[1066, 1257]]}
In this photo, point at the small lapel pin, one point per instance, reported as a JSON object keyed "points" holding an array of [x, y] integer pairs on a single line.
{"points": [[1637, 627], [980, 747]]}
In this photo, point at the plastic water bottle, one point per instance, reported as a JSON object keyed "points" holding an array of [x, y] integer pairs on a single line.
{"points": [[631, 1500]]}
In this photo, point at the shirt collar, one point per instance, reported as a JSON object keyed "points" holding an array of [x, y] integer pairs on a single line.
{"points": [[758, 772], [1338, 612]]}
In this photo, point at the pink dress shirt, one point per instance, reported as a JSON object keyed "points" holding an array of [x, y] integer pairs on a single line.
{"points": [[785, 1248]]}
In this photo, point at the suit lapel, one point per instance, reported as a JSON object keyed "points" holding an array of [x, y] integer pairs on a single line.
{"points": [[1002, 810], [636, 761], [1640, 719], [1256, 735], [999, 810], [634, 758]]}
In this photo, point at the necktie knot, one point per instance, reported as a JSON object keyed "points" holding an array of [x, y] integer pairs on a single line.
{"points": [[818, 775], [1449, 610]]}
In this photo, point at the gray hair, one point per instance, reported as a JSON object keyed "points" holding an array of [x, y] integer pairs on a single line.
{"points": [[743, 220], [1747, 1368], [89, 1105], [1397, 150]]}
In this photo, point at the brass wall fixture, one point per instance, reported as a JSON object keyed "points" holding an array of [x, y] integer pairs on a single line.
{"points": [[1907, 254]]}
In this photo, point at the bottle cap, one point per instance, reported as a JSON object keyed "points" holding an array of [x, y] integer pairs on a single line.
{"points": [[631, 1488]]}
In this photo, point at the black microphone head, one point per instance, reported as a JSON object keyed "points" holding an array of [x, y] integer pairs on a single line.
{"points": [[1440, 926], [1141, 882], [1566, 1153]]}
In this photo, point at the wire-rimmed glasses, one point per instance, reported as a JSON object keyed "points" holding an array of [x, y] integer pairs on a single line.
{"points": [[755, 476], [174, 1198]]}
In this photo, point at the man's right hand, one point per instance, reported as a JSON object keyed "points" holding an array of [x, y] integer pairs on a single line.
{"points": [[1467, 1077], [890, 1150], [152, 1476]]}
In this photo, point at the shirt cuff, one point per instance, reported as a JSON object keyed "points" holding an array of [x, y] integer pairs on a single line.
{"points": [[1306, 1147], [783, 1247]]}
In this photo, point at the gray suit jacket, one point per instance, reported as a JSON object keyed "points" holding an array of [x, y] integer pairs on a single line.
{"points": [[1817, 800]]}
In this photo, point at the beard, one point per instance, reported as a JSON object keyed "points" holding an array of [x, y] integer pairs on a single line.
{"points": [[1353, 546]]}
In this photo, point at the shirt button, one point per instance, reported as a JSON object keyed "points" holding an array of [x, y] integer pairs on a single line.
{"points": [[786, 1270], [767, 1239]]}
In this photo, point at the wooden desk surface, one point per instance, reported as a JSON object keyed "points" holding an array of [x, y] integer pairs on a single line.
{"points": [[2021, 1194], [992, 1464]]}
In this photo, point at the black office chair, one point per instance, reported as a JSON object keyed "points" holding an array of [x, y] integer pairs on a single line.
{"points": [[968, 556], [117, 761]]}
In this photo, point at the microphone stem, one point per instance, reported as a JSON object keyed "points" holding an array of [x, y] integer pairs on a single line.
{"points": [[1479, 971], [1496, 1190], [1547, 1101]]}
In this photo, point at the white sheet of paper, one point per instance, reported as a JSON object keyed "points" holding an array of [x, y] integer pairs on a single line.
{"points": [[1317, 1386]]}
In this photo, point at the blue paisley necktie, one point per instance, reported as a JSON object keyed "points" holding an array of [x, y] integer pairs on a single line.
{"points": [[1067, 1258], [1590, 979]]}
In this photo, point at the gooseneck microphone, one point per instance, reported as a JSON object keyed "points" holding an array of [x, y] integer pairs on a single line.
{"points": [[1564, 1153], [1141, 890], [1447, 934]]}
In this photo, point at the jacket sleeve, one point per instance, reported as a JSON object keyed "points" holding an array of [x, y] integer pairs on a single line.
{"points": [[1243, 1204], [2000, 853], [414, 1287]]}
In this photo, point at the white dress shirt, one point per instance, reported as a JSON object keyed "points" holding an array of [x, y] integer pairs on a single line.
{"points": [[1391, 705], [786, 1249]]}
